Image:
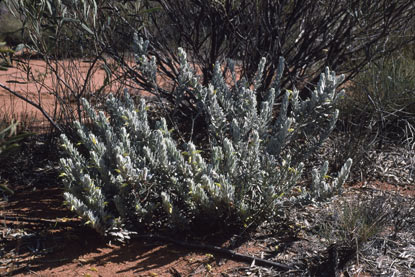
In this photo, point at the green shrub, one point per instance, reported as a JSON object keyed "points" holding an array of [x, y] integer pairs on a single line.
{"points": [[68, 29], [354, 223], [9, 140], [130, 174], [383, 100]]}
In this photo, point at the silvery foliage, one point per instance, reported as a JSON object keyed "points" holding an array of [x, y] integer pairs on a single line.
{"points": [[136, 174]]}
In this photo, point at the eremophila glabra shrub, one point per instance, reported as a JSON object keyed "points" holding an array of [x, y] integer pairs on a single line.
{"points": [[134, 174]]}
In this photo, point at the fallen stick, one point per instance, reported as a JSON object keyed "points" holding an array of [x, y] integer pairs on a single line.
{"points": [[220, 250]]}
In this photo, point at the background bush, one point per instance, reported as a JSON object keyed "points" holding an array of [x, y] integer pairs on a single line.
{"points": [[64, 35], [69, 28], [344, 35], [382, 100], [10, 137]]}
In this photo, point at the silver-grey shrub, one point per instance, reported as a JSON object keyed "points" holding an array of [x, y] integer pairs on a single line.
{"points": [[132, 174]]}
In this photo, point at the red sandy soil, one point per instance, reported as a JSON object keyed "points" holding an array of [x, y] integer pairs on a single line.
{"points": [[79, 251], [43, 86], [38, 92]]}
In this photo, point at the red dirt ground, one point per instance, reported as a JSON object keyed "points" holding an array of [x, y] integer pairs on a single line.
{"points": [[79, 251], [43, 91]]}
